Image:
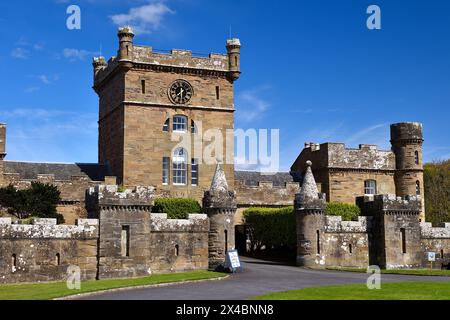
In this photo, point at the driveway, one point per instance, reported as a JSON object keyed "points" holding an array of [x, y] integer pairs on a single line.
{"points": [[258, 278]]}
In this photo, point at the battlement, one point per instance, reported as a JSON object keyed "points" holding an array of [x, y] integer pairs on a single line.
{"points": [[108, 197], [336, 225], [428, 232], [48, 229], [194, 223], [389, 204], [407, 131]]}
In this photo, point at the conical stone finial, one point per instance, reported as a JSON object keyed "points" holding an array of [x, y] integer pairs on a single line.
{"points": [[219, 182], [309, 191]]}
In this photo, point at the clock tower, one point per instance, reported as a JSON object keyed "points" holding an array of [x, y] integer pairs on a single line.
{"points": [[157, 110]]}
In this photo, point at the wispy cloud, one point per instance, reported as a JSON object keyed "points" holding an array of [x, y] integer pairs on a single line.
{"points": [[144, 19], [251, 104], [20, 53], [77, 54]]}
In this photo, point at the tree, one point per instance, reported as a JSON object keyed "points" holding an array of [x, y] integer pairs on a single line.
{"points": [[40, 201], [437, 191]]}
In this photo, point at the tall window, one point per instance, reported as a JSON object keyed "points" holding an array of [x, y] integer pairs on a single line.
{"points": [[143, 86], [179, 124], [165, 170], [370, 187], [416, 157], [125, 241], [166, 126], [193, 127], [217, 92], [418, 188], [179, 167], [194, 172], [403, 235]]}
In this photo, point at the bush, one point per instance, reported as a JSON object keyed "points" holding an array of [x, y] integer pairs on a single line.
{"points": [[272, 228], [348, 212], [437, 192], [39, 201], [176, 208]]}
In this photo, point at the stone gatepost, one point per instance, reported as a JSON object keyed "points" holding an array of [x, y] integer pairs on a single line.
{"points": [[310, 216], [220, 205]]}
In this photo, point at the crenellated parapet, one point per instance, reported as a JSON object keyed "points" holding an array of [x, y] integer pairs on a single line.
{"points": [[196, 223], [337, 225], [390, 205], [430, 232], [41, 229]]}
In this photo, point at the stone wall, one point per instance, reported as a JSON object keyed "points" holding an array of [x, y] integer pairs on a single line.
{"points": [[43, 251], [346, 243], [436, 240]]}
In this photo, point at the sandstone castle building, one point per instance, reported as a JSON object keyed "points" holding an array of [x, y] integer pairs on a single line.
{"points": [[154, 107]]}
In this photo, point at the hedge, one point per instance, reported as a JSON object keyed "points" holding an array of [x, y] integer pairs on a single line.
{"points": [[276, 228], [176, 208], [348, 212], [272, 228]]}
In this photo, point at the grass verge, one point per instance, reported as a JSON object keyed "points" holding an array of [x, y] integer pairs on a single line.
{"points": [[414, 272], [389, 291], [53, 290]]}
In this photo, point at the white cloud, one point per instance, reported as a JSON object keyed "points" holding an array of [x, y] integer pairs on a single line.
{"points": [[251, 105], [77, 54], [144, 19], [20, 53]]}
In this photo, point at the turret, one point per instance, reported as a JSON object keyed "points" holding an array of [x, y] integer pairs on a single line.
{"points": [[310, 216], [99, 63], [126, 36], [2, 141], [220, 205], [407, 141], [2, 150], [234, 57]]}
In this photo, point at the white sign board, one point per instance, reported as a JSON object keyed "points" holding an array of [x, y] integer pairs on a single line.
{"points": [[233, 259], [431, 256]]}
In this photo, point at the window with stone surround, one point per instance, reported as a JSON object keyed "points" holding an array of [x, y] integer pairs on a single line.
{"points": [[418, 191], [165, 171], [217, 92], [194, 172], [403, 238], [125, 241], [370, 187], [58, 259], [179, 124], [179, 167], [416, 157], [166, 126]]}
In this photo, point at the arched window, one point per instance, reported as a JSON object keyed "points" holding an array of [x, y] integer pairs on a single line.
{"points": [[166, 126], [58, 259], [418, 192], [416, 157], [370, 187], [179, 167], [177, 250], [179, 124]]}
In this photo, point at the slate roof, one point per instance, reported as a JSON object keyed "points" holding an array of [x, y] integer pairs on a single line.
{"points": [[62, 171], [252, 178]]}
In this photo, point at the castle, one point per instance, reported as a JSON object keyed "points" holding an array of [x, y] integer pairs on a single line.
{"points": [[146, 98]]}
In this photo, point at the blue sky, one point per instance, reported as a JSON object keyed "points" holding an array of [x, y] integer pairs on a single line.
{"points": [[310, 68]]}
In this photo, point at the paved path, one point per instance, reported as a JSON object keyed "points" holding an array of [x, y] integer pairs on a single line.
{"points": [[259, 277]]}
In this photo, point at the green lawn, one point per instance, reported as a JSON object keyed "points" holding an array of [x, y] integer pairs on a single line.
{"points": [[389, 291], [47, 291], [415, 272]]}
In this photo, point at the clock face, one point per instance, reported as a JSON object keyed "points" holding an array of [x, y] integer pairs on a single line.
{"points": [[180, 92]]}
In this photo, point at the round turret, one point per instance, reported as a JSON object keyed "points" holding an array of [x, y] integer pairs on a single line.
{"points": [[126, 36], [407, 141], [234, 57]]}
